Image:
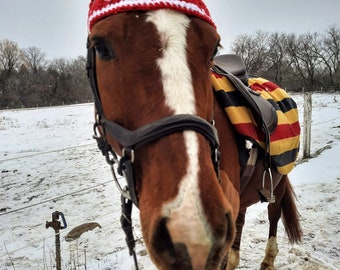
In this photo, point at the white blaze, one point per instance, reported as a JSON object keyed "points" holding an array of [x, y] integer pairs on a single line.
{"points": [[185, 212]]}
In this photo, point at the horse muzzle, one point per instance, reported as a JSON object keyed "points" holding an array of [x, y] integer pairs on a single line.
{"points": [[178, 246]]}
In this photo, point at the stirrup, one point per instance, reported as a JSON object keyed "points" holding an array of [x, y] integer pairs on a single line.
{"points": [[265, 194]]}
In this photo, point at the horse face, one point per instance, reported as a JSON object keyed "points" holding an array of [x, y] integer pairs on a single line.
{"points": [[151, 65]]}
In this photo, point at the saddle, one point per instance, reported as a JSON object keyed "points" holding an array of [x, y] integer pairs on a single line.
{"points": [[233, 63], [233, 67], [262, 113]]}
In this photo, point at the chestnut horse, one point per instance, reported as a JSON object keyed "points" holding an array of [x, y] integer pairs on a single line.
{"points": [[150, 70]]}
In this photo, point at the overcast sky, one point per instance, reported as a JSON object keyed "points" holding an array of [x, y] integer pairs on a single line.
{"points": [[58, 27]]}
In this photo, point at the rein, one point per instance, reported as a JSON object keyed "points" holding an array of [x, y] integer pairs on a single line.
{"points": [[131, 140]]}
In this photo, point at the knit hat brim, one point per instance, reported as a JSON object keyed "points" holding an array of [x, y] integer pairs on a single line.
{"points": [[99, 9]]}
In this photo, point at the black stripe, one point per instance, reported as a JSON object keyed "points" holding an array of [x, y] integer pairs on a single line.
{"points": [[286, 104], [285, 158], [235, 98], [227, 99], [274, 103]]}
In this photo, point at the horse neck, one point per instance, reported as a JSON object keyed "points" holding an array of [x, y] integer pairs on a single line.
{"points": [[229, 162]]}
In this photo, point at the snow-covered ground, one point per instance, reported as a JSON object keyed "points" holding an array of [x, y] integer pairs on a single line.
{"points": [[49, 162]]}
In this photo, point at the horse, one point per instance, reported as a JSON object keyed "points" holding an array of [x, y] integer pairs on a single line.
{"points": [[149, 64]]}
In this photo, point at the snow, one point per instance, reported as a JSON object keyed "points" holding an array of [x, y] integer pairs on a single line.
{"points": [[49, 162]]}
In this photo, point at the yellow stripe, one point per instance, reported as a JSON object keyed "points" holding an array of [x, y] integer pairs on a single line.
{"points": [[278, 94], [239, 115], [222, 83], [284, 145], [286, 169], [257, 80], [289, 117], [281, 146]]}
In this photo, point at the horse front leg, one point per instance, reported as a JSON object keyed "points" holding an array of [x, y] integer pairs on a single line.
{"points": [[233, 258]]}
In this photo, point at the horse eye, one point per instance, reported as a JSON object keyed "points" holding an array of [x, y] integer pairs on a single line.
{"points": [[103, 52]]}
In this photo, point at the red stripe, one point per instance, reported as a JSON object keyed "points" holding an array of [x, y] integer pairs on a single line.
{"points": [[218, 76], [285, 131], [249, 130], [281, 132], [270, 86], [267, 86], [257, 87]]}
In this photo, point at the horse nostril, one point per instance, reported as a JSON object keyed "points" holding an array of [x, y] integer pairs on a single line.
{"points": [[224, 240], [162, 243], [174, 255]]}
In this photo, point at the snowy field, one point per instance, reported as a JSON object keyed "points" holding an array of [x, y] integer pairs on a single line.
{"points": [[49, 162]]}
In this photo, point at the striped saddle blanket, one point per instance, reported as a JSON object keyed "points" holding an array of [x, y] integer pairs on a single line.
{"points": [[284, 139]]}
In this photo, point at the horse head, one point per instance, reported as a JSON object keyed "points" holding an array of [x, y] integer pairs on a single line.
{"points": [[153, 62]]}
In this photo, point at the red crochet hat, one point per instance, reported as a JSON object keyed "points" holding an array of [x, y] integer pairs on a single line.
{"points": [[99, 9]]}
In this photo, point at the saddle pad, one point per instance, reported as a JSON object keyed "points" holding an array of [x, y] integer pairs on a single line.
{"points": [[284, 140]]}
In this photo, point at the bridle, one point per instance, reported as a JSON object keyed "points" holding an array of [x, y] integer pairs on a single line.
{"points": [[131, 140]]}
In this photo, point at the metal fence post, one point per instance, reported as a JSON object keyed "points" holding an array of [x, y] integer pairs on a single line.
{"points": [[56, 225]]}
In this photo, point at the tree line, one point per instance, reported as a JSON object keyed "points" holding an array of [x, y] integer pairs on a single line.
{"points": [[310, 61], [28, 79]]}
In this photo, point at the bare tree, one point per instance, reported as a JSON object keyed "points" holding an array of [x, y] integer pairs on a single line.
{"points": [[68, 80], [304, 52], [10, 61], [330, 54], [34, 58], [253, 50], [278, 61], [310, 59], [10, 56], [80, 84]]}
